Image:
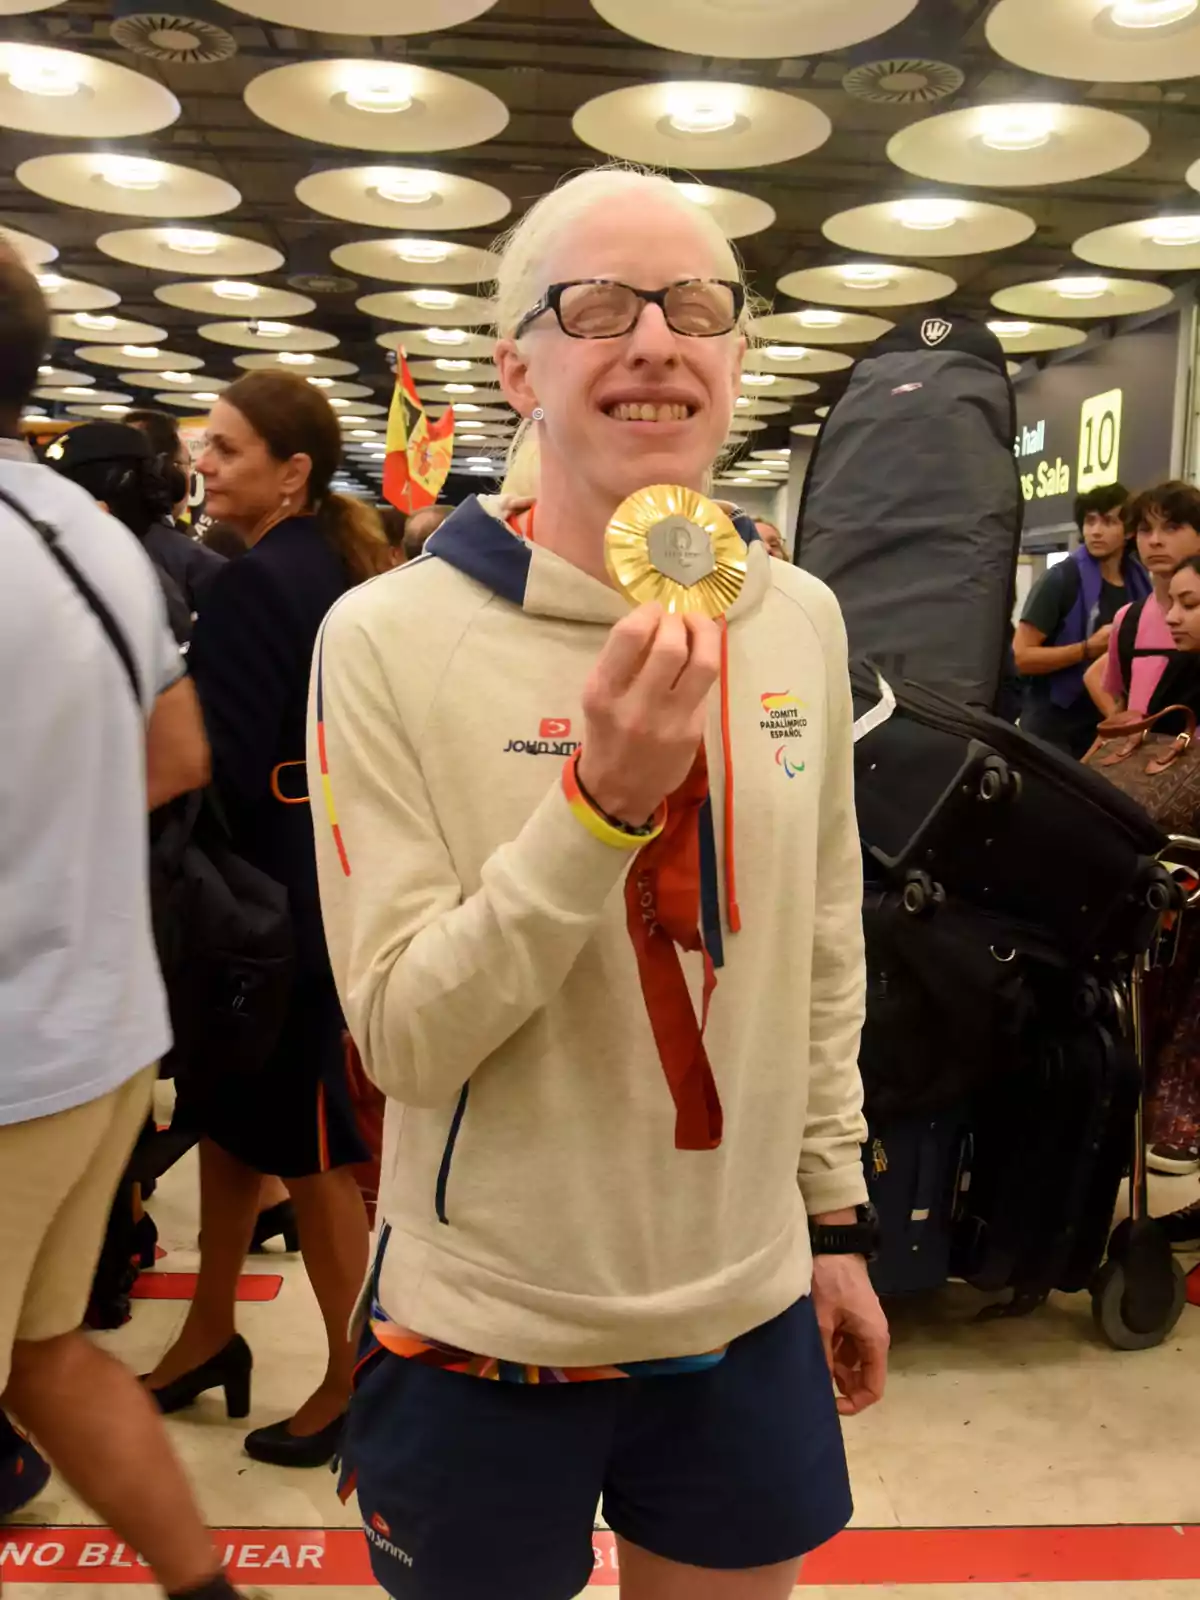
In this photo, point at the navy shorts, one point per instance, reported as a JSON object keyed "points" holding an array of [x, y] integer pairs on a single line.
{"points": [[468, 1486]]}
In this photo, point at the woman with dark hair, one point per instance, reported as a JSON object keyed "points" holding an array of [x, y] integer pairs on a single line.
{"points": [[273, 446], [1173, 1114], [119, 468], [192, 564]]}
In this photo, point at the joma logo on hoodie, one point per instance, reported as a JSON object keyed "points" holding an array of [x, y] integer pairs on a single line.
{"points": [[374, 1531]]}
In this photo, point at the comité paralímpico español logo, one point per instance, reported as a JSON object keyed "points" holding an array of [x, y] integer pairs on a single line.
{"points": [[784, 721]]}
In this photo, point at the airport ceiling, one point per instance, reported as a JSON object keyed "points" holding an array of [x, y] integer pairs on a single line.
{"points": [[1019, 128]]}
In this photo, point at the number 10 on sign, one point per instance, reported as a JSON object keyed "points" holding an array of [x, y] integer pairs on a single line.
{"points": [[1099, 441]]}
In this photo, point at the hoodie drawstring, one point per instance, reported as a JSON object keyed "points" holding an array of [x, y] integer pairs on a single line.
{"points": [[733, 911]]}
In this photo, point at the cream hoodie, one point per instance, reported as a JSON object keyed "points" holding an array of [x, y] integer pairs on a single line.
{"points": [[540, 1211]]}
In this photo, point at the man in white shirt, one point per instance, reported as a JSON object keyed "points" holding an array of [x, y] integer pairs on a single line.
{"points": [[91, 741]]}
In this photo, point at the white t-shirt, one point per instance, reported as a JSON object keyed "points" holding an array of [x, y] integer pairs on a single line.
{"points": [[82, 1007]]}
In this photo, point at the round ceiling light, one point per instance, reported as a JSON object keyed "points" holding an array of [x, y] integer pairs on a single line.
{"points": [[1152, 244], [702, 124], [372, 105], [129, 186], [734, 213], [1018, 144], [1023, 338], [1099, 41], [221, 255], [149, 368], [753, 28], [426, 261], [864, 283], [72, 294], [384, 18], [383, 197], [796, 361], [33, 252], [51, 91], [812, 327], [281, 336], [318, 367], [442, 307], [103, 328], [222, 298], [928, 226], [1082, 296], [438, 342]]}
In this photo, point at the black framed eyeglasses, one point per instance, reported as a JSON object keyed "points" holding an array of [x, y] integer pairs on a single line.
{"points": [[600, 308]]}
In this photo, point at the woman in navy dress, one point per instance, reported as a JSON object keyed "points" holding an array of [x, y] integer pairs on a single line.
{"points": [[274, 444]]}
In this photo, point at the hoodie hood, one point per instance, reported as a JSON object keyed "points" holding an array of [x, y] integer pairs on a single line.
{"points": [[477, 539]]}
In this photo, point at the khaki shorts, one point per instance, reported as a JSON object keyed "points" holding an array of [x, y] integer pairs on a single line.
{"points": [[58, 1175]]}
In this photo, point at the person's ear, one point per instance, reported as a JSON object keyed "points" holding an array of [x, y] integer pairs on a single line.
{"points": [[514, 377], [294, 481]]}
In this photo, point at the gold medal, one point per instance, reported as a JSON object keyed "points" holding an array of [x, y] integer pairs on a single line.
{"points": [[676, 547]]}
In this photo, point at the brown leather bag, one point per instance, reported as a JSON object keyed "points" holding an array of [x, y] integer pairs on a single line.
{"points": [[1159, 770]]}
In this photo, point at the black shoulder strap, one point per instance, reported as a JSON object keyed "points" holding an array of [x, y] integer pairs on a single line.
{"points": [[1128, 649], [91, 598]]}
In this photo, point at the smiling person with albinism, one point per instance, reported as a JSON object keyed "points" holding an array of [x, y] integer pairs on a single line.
{"points": [[591, 884]]}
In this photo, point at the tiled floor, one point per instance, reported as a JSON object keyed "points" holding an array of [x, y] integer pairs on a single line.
{"points": [[1031, 1423]]}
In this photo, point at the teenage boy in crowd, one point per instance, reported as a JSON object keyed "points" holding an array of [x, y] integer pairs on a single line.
{"points": [[1166, 522], [1068, 620]]}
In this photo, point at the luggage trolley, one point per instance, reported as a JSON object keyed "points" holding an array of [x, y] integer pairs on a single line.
{"points": [[1139, 1293], [1008, 877]]}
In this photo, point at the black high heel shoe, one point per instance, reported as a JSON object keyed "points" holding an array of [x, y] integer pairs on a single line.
{"points": [[276, 1222], [145, 1242], [280, 1447], [229, 1369]]}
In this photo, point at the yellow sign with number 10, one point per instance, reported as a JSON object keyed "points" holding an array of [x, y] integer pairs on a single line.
{"points": [[1099, 441]]}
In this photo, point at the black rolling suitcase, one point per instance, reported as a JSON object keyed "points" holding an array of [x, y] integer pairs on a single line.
{"points": [[1051, 1143], [954, 801]]}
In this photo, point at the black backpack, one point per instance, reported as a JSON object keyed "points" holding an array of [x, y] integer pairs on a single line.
{"points": [[912, 507], [222, 927]]}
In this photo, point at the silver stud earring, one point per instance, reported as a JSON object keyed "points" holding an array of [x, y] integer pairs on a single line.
{"points": [[537, 414]]}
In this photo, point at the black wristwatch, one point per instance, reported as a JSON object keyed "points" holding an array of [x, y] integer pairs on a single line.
{"points": [[860, 1238]]}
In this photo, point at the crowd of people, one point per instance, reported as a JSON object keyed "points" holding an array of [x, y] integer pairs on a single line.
{"points": [[673, 1317], [1111, 635]]}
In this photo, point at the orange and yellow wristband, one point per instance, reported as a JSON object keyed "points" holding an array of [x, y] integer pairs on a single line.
{"points": [[597, 823]]}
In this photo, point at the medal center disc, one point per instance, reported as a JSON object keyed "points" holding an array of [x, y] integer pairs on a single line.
{"points": [[681, 550]]}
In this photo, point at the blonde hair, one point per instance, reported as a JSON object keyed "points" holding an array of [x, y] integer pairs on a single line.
{"points": [[524, 250]]}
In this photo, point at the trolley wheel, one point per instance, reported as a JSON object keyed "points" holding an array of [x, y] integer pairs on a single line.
{"points": [[1117, 1318]]}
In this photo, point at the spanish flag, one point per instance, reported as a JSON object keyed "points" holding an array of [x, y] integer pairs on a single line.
{"points": [[418, 451]]}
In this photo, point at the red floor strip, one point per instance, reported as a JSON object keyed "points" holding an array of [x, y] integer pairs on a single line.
{"points": [[182, 1286], [329, 1557]]}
